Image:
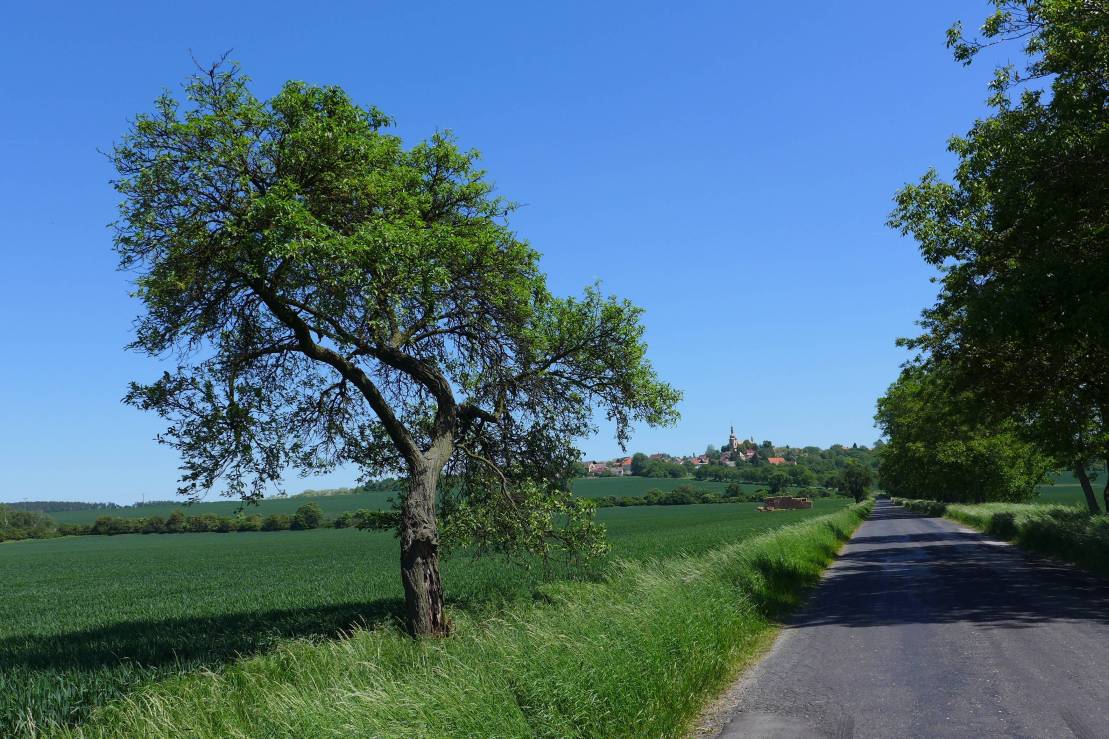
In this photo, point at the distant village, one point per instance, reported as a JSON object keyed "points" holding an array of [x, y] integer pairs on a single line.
{"points": [[733, 452]]}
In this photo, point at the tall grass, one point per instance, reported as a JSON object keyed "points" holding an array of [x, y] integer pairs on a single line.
{"points": [[84, 620], [1062, 531], [633, 655], [1066, 532]]}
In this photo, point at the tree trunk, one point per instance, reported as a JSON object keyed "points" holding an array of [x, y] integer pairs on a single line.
{"points": [[1105, 490], [1087, 488], [419, 553]]}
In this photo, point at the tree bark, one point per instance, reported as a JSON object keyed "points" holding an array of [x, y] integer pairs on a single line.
{"points": [[419, 552], [1087, 488], [1105, 490]]}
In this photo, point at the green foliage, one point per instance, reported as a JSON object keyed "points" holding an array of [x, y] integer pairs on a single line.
{"points": [[59, 506], [1067, 532], [632, 487], [529, 520], [332, 504], [685, 495], [203, 523], [175, 524], [308, 516], [376, 520], [17, 524], [250, 523], [937, 450], [778, 482], [674, 632], [277, 522], [812, 465], [855, 480], [111, 526], [1018, 235], [336, 298], [661, 468], [154, 525]]}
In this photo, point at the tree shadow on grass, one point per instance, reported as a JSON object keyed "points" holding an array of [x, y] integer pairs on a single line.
{"points": [[203, 640], [57, 679], [786, 584]]}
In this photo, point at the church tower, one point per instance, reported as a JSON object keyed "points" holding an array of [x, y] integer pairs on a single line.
{"points": [[733, 443]]}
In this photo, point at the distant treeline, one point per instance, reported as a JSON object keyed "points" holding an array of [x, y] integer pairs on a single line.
{"points": [[384, 485], [689, 495], [16, 524], [59, 506], [799, 466]]}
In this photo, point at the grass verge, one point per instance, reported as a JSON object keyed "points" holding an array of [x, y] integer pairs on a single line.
{"points": [[1066, 532], [634, 655]]}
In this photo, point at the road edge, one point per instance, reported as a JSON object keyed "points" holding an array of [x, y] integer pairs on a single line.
{"points": [[719, 711]]}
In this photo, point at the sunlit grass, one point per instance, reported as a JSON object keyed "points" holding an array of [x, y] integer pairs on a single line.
{"points": [[86, 619], [633, 655]]}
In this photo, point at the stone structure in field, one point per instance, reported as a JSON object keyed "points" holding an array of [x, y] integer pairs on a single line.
{"points": [[784, 502]]}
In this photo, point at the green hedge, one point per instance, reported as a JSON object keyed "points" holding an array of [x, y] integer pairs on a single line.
{"points": [[924, 507], [1067, 532]]}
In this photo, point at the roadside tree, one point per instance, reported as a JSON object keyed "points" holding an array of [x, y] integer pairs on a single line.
{"points": [[939, 451], [854, 480], [1019, 235]]}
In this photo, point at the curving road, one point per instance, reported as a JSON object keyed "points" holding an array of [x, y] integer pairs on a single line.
{"points": [[923, 628]]}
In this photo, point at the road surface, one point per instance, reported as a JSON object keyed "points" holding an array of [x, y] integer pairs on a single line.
{"points": [[923, 628]]}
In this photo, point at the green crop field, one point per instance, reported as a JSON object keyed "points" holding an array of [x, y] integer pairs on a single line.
{"points": [[1065, 489], [84, 619], [1064, 494]]}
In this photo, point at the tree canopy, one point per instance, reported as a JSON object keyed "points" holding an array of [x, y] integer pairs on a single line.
{"points": [[332, 297], [936, 450], [1019, 235], [854, 480]]}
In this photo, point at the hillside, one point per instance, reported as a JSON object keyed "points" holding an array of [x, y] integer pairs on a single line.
{"points": [[335, 504]]}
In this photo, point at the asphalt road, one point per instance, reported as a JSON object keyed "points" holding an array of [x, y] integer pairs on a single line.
{"points": [[923, 628]]}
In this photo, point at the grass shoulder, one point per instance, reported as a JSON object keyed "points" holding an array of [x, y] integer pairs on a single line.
{"points": [[1067, 532]]}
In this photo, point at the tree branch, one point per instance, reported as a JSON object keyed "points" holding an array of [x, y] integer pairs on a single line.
{"points": [[357, 377]]}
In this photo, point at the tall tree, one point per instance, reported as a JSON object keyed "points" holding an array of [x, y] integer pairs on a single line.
{"points": [[332, 297], [854, 480], [1020, 234], [938, 450]]}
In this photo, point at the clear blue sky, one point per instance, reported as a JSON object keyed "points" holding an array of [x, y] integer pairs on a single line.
{"points": [[728, 166]]}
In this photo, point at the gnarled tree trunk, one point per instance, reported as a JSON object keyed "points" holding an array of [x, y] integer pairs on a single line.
{"points": [[419, 551]]}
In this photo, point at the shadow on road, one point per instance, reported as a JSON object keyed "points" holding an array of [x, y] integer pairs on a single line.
{"points": [[906, 568]]}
